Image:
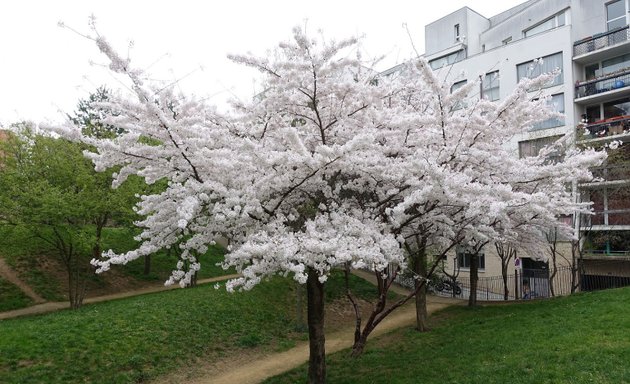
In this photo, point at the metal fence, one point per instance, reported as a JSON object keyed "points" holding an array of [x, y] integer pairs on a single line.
{"points": [[601, 41], [535, 283], [602, 84]]}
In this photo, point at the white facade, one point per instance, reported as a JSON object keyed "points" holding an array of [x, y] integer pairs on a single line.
{"points": [[589, 40]]}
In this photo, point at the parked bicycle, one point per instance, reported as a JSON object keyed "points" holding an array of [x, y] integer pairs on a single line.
{"points": [[446, 285]]}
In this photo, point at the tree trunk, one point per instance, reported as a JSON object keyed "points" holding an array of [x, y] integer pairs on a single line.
{"points": [[300, 326], [506, 290], [317, 357], [420, 269], [147, 264], [474, 277], [421, 310], [193, 280], [76, 282]]}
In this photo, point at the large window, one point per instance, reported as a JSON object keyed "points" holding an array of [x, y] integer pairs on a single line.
{"points": [[447, 60], [535, 68], [615, 14], [491, 86], [617, 108], [530, 148], [555, 21], [556, 104], [464, 258], [616, 64]]}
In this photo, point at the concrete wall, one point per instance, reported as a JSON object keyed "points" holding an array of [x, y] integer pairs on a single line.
{"points": [[589, 17], [496, 19], [440, 35], [519, 21], [506, 58]]}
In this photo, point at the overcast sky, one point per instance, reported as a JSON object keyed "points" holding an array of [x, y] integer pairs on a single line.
{"points": [[45, 69]]}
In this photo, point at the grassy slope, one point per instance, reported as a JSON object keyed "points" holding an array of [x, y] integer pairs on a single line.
{"points": [[24, 257], [11, 297], [134, 339], [579, 339]]}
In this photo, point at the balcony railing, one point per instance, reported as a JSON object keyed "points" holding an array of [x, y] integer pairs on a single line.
{"points": [[604, 128], [601, 41], [613, 172], [610, 217], [603, 84]]}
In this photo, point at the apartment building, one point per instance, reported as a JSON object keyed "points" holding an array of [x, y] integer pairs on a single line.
{"points": [[589, 42]]}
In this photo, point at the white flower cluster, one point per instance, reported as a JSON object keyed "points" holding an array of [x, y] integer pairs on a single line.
{"points": [[332, 166]]}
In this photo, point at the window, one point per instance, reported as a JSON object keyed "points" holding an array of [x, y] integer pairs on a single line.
{"points": [[593, 114], [556, 103], [617, 108], [447, 60], [507, 41], [615, 64], [456, 28], [535, 68], [615, 15], [457, 85], [463, 259], [591, 71], [491, 86], [557, 20], [531, 148]]}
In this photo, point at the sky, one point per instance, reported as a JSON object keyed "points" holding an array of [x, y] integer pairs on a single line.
{"points": [[45, 70]]}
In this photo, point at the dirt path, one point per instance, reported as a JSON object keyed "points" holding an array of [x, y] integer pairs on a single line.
{"points": [[272, 365], [54, 306], [275, 364], [9, 274]]}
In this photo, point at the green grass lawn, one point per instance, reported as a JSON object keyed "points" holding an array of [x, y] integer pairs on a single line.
{"points": [[580, 339], [11, 297], [135, 339]]}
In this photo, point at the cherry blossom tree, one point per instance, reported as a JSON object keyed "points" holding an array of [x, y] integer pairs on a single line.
{"points": [[330, 167], [295, 180], [463, 185]]}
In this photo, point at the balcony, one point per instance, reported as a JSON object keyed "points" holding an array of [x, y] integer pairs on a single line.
{"points": [[602, 45], [616, 173], [609, 220], [606, 130], [603, 88]]}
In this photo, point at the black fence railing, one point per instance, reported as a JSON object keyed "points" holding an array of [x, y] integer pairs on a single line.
{"points": [[601, 41], [535, 283], [602, 84]]}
